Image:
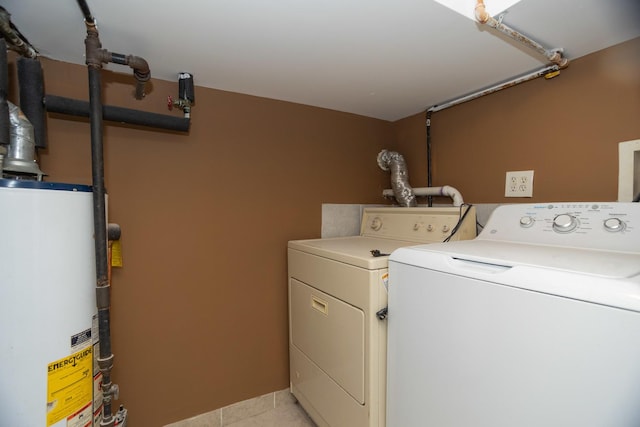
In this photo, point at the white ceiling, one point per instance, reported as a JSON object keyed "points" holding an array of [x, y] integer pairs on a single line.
{"points": [[379, 58]]}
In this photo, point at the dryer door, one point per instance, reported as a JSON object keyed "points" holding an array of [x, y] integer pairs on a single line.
{"points": [[330, 332]]}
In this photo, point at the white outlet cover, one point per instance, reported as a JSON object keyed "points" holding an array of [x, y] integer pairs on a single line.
{"points": [[519, 184]]}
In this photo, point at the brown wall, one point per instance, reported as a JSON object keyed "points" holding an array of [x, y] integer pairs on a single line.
{"points": [[566, 129], [199, 309]]}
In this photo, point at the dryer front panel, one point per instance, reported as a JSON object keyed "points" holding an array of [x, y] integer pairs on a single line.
{"points": [[331, 333]]}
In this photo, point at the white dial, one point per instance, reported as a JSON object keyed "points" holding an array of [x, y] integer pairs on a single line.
{"points": [[614, 224], [526, 221], [565, 223], [376, 223]]}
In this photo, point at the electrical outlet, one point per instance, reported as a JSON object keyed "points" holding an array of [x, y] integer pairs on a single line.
{"points": [[519, 184]]}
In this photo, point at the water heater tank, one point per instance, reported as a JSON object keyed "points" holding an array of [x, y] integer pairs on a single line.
{"points": [[47, 305]]}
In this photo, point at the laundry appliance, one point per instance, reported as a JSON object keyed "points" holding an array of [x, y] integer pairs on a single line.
{"points": [[536, 322], [337, 301]]}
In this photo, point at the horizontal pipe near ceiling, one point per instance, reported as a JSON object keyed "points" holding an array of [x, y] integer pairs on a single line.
{"points": [[74, 107], [495, 88]]}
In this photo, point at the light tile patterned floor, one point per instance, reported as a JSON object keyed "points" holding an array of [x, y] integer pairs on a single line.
{"points": [[277, 409], [286, 415]]}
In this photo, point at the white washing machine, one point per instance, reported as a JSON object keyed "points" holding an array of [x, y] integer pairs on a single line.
{"points": [[337, 343], [536, 322]]}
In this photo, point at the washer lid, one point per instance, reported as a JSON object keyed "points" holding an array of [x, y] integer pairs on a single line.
{"points": [[601, 277], [611, 264], [353, 250]]}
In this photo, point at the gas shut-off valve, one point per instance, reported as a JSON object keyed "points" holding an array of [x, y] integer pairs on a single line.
{"points": [[186, 95]]}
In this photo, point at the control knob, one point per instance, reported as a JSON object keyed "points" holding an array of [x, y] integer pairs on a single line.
{"points": [[614, 225], [376, 224], [526, 221], [565, 223]]}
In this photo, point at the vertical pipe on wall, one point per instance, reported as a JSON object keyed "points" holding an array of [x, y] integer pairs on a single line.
{"points": [[4, 90], [103, 288], [429, 175]]}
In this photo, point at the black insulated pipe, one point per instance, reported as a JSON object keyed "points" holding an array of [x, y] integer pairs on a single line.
{"points": [[86, 12], [5, 137], [73, 107], [32, 97]]}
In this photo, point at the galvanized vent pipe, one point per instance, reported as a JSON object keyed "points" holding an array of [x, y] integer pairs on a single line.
{"points": [[20, 160], [394, 162]]}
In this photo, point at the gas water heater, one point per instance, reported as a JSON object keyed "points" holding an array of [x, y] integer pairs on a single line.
{"points": [[48, 314]]}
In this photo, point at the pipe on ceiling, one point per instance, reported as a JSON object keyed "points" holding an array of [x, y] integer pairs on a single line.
{"points": [[15, 40], [547, 72], [553, 55]]}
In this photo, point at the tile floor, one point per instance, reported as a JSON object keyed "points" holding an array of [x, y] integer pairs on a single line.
{"points": [[277, 409], [286, 415]]}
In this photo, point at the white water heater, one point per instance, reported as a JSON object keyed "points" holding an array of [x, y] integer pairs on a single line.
{"points": [[48, 309]]}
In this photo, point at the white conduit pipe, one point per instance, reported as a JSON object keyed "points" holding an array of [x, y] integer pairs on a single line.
{"points": [[553, 55], [445, 190]]}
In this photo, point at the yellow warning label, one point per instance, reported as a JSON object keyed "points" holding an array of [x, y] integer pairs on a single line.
{"points": [[116, 254], [69, 385]]}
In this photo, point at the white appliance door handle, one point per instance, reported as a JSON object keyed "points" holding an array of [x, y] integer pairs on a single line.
{"points": [[479, 266]]}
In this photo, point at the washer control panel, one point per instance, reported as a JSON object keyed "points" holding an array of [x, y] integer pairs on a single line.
{"points": [[607, 225], [419, 224]]}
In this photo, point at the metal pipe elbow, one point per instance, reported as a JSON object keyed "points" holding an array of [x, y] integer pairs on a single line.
{"points": [[141, 72]]}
